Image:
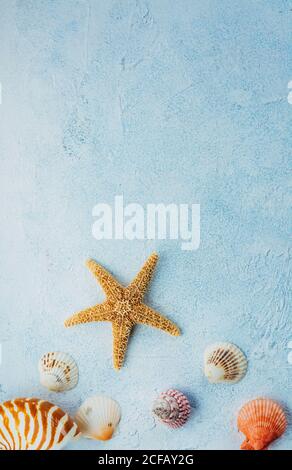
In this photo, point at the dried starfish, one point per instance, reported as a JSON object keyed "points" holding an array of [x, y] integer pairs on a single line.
{"points": [[123, 307]]}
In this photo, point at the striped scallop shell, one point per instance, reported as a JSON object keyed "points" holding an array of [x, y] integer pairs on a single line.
{"points": [[224, 362], [58, 371], [172, 408], [98, 417], [33, 424], [262, 421]]}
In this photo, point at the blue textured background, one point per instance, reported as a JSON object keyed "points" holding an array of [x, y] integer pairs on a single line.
{"points": [[160, 101]]}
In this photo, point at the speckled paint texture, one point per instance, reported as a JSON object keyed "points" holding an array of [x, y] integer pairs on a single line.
{"points": [[159, 101]]}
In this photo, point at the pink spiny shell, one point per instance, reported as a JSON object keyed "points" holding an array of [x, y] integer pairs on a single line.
{"points": [[172, 408]]}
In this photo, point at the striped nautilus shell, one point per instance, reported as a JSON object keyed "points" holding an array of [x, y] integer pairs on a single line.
{"points": [[33, 424]]}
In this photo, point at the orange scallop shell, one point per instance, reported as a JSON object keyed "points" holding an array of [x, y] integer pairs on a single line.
{"points": [[262, 421]]}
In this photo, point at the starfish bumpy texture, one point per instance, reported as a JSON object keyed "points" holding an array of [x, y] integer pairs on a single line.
{"points": [[123, 307]]}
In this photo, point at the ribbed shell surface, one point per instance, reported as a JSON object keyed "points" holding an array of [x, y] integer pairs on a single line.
{"points": [[33, 424], [229, 359], [177, 408], [262, 421]]}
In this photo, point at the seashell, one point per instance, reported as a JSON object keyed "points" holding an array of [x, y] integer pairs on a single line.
{"points": [[33, 424], [172, 408], [58, 371], [98, 417], [224, 362], [262, 421]]}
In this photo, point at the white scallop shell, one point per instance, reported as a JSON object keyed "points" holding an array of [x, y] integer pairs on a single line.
{"points": [[58, 371], [224, 362], [98, 417]]}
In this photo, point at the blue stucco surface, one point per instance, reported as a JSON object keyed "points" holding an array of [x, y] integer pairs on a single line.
{"points": [[159, 101]]}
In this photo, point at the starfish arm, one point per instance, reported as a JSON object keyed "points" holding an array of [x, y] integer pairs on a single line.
{"points": [[147, 316], [99, 312], [139, 285], [111, 287], [121, 332]]}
